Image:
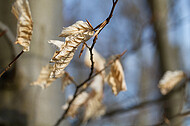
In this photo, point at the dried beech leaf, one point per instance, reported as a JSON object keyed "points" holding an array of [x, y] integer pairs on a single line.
{"points": [[116, 78], [73, 39], [22, 12], [44, 80], [99, 61], [77, 28], [92, 102], [170, 80], [77, 103], [94, 106]]}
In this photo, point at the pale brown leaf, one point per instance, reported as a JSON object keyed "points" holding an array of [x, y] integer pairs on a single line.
{"points": [[57, 43], [93, 106], [116, 78], [44, 80], [79, 27], [170, 80], [97, 84], [92, 101], [77, 103], [22, 12]]}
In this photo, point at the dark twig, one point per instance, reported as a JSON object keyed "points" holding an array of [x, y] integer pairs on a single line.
{"points": [[11, 38], [10, 64], [104, 23]]}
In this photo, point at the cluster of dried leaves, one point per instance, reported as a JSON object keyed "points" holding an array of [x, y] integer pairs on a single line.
{"points": [[92, 101], [78, 33], [74, 35]]}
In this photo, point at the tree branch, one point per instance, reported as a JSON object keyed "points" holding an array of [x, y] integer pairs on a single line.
{"points": [[11, 63], [100, 27]]}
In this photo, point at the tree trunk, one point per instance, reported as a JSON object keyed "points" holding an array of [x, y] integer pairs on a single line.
{"points": [[33, 106], [167, 53]]}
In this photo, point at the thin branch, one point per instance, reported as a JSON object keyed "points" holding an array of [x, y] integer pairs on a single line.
{"points": [[100, 27], [10, 37], [11, 63], [104, 23]]}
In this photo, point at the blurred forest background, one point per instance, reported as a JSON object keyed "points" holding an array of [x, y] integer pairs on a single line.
{"points": [[155, 34]]}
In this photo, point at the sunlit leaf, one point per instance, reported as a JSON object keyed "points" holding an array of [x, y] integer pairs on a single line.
{"points": [[170, 80], [22, 12], [78, 33], [93, 106], [79, 27], [44, 80], [116, 78], [77, 103]]}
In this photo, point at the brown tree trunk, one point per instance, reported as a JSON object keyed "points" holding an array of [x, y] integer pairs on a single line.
{"points": [[167, 53], [18, 99]]}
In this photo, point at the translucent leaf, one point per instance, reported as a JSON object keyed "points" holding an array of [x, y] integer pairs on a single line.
{"points": [[170, 80], [92, 102], [75, 29], [116, 78], [77, 103], [97, 84], [22, 12], [44, 80], [57, 43], [94, 106]]}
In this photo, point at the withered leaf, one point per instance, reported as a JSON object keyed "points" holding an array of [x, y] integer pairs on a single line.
{"points": [[116, 78], [22, 12], [92, 101], [44, 80], [79, 27], [170, 80], [57, 43], [77, 103], [93, 106]]}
